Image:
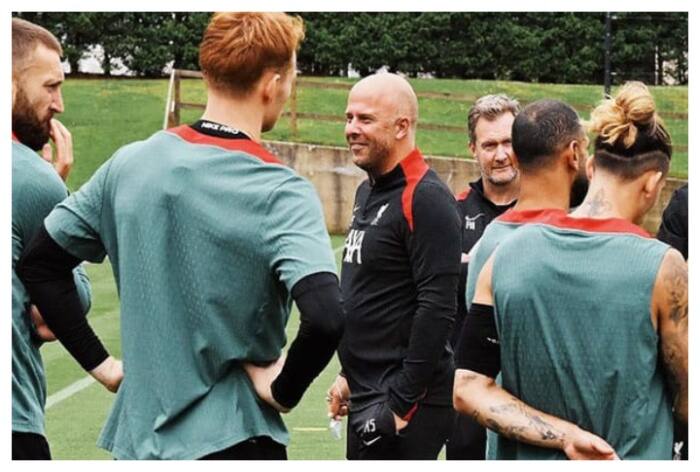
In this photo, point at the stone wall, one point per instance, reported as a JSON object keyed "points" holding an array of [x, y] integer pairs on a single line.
{"points": [[336, 178]]}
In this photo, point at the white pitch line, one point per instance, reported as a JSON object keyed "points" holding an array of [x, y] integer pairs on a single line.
{"points": [[69, 391], [84, 383]]}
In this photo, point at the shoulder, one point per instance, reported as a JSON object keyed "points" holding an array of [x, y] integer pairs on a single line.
{"points": [[432, 204], [671, 286], [32, 175], [431, 187], [672, 265], [292, 192]]}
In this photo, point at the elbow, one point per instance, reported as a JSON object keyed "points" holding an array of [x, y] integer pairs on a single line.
{"points": [[462, 393]]}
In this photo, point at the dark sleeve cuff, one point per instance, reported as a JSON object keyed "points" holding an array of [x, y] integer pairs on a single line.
{"points": [[479, 347], [318, 298], [403, 409]]}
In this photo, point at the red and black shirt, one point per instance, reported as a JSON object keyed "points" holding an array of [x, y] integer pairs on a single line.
{"points": [[399, 285], [476, 212]]}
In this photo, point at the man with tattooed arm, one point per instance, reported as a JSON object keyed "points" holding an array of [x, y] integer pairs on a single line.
{"points": [[582, 336]]}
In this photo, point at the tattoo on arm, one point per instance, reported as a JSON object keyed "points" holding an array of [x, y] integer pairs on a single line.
{"points": [[677, 288], [674, 334], [533, 423]]}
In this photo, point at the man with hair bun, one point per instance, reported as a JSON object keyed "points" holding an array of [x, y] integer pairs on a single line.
{"points": [[602, 315], [210, 238], [489, 124]]}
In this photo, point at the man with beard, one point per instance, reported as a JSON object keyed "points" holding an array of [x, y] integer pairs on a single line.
{"points": [[37, 76], [399, 281], [550, 132], [210, 238], [549, 139], [602, 313], [489, 122]]}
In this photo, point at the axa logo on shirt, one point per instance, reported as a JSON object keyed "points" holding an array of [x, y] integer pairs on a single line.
{"points": [[353, 246], [470, 221]]}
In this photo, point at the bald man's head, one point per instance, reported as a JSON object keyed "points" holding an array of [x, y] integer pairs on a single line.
{"points": [[393, 91], [381, 119]]}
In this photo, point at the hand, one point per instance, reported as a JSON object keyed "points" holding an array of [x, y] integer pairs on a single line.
{"points": [[338, 396], [109, 373], [262, 378], [63, 141], [399, 422], [42, 331], [582, 445]]}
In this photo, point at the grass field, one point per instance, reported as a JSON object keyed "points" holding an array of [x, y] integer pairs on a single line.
{"points": [[106, 114], [74, 424]]}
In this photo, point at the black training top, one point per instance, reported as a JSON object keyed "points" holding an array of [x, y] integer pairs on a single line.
{"points": [[674, 223], [399, 285], [476, 212]]}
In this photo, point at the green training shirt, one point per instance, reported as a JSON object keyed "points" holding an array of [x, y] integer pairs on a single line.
{"points": [[206, 236], [572, 298], [36, 189]]}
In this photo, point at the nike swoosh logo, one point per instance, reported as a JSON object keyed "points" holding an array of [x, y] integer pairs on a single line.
{"points": [[369, 443], [492, 340]]}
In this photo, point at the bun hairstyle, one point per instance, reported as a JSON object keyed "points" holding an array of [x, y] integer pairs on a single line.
{"points": [[631, 137]]}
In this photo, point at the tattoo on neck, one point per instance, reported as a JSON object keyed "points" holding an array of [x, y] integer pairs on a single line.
{"points": [[598, 205]]}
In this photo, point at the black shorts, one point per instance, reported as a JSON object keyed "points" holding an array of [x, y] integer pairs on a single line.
{"points": [[421, 439], [259, 449], [29, 446]]}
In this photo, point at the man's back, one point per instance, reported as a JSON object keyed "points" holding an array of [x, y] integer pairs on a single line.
{"points": [[206, 237], [576, 333]]}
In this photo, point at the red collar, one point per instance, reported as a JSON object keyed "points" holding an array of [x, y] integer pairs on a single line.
{"points": [[558, 218], [245, 145], [15, 139]]}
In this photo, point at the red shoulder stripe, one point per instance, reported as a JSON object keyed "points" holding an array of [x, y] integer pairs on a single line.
{"points": [[558, 218], [245, 145], [463, 195], [414, 168]]}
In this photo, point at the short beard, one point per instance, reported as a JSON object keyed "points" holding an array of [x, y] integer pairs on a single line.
{"points": [[26, 125], [503, 183], [377, 153], [579, 188]]}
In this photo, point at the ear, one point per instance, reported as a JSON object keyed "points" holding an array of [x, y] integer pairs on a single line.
{"points": [[653, 183], [271, 82], [472, 148], [572, 156], [403, 126]]}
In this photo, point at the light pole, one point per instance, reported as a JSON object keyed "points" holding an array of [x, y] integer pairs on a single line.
{"points": [[608, 35]]}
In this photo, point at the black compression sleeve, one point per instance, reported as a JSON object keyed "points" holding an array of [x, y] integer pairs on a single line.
{"points": [[478, 349], [46, 270], [318, 299]]}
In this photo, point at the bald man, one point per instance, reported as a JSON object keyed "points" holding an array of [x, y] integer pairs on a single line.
{"points": [[399, 283]]}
